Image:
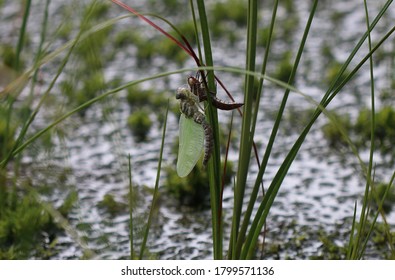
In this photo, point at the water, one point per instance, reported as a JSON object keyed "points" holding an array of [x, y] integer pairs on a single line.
{"points": [[318, 194]]}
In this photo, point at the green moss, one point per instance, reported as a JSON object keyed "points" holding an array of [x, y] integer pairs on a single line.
{"points": [[171, 51], [145, 52], [332, 132], [333, 70], [89, 51], [27, 230], [378, 194], [69, 203], [8, 56], [91, 87], [65, 30], [284, 67], [7, 132], [232, 10], [111, 206], [331, 249], [289, 5], [137, 97], [140, 124], [97, 10], [124, 38], [193, 190], [263, 36], [384, 133]]}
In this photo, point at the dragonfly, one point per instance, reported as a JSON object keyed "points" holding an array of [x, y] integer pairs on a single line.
{"points": [[195, 133], [198, 88]]}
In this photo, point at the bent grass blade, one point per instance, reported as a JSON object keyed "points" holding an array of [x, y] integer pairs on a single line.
{"points": [[191, 145]]}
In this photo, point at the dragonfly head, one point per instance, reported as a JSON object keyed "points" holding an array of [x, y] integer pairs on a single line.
{"points": [[192, 81]]}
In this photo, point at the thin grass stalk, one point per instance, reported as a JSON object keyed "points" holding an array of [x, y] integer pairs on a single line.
{"points": [[357, 253], [254, 193], [22, 34], [17, 67], [30, 98], [156, 190], [214, 164], [9, 102], [40, 47], [131, 236], [263, 70], [195, 26], [245, 143], [350, 247]]}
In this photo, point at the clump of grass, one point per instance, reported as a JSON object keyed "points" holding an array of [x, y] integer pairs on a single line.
{"points": [[284, 68], [359, 131], [384, 133], [332, 73], [332, 132], [111, 206], [140, 124], [27, 229], [232, 11], [193, 189]]}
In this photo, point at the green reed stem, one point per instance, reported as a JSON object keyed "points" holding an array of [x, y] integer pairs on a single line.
{"points": [[214, 165], [246, 133], [131, 236], [22, 34], [369, 182], [254, 193]]}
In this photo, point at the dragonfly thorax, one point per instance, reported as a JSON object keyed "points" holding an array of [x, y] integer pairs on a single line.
{"points": [[188, 103]]}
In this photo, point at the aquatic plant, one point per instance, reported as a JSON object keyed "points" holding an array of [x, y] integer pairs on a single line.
{"points": [[140, 124]]}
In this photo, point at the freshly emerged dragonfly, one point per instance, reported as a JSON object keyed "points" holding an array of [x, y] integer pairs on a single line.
{"points": [[194, 130], [198, 88]]}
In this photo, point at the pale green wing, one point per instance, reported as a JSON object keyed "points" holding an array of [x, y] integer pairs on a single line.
{"points": [[191, 145]]}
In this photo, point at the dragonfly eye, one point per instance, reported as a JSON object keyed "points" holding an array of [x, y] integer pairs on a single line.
{"points": [[193, 82]]}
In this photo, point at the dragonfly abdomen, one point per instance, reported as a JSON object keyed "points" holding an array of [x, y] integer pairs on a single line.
{"points": [[208, 142], [208, 136]]}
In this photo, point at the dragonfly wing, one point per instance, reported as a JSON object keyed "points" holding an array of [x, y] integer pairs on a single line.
{"points": [[191, 145]]}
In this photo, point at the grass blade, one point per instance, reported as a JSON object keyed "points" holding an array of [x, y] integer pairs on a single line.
{"points": [[214, 165], [156, 190], [246, 133], [131, 210]]}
